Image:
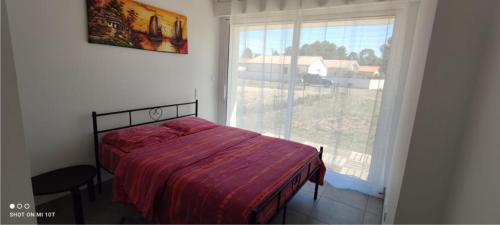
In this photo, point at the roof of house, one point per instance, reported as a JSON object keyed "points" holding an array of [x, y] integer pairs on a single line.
{"points": [[282, 60], [346, 64], [369, 69], [308, 60]]}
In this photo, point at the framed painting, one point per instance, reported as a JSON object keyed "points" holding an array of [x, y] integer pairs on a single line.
{"points": [[128, 23]]}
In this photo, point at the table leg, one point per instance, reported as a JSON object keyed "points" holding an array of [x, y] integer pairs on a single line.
{"points": [[77, 205], [90, 188]]}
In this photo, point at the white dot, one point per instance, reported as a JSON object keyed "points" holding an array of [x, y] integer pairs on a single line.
{"points": [[12, 206]]}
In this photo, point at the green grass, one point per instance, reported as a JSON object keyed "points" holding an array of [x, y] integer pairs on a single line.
{"points": [[340, 118]]}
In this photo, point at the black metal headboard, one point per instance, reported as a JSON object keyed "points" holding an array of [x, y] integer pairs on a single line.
{"points": [[155, 114]]}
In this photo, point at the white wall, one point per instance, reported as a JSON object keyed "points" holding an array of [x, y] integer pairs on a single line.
{"points": [[475, 193], [454, 59], [62, 78], [16, 183]]}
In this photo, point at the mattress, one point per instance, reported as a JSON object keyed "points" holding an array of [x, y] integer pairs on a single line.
{"points": [[214, 176]]}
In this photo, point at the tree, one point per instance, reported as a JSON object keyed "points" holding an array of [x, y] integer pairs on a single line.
{"points": [[247, 53], [325, 49], [341, 53], [116, 7], [367, 57], [353, 56], [275, 53], [329, 50], [386, 54], [132, 17]]}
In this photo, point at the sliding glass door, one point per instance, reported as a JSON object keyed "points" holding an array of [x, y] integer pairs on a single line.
{"points": [[258, 86], [321, 82]]}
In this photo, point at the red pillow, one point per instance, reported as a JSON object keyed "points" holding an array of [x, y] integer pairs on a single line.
{"points": [[190, 125], [135, 137]]}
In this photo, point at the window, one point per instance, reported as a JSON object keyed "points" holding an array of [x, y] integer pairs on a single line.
{"points": [[322, 79]]}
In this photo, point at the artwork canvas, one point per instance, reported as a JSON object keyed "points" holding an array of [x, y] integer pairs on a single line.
{"points": [[132, 24]]}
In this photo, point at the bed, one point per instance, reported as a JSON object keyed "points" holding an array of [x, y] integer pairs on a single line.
{"points": [[184, 169]]}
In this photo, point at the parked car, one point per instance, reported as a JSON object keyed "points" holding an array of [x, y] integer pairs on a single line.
{"points": [[314, 79]]}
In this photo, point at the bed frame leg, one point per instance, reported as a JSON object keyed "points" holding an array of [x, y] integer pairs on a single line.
{"points": [[318, 173], [316, 187], [253, 217], [284, 215], [99, 180], [96, 151]]}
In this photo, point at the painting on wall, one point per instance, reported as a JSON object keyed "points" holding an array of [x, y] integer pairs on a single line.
{"points": [[132, 24]]}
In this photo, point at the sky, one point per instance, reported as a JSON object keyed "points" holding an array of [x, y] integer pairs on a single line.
{"points": [[354, 37]]}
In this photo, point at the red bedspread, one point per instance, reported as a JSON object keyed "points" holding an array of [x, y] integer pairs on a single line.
{"points": [[109, 156], [215, 176]]}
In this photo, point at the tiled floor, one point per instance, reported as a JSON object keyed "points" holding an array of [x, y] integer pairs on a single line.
{"points": [[334, 206]]}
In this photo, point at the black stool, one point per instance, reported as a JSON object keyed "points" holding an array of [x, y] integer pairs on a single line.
{"points": [[67, 179]]}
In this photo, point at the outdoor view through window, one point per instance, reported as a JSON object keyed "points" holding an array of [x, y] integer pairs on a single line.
{"points": [[327, 91]]}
